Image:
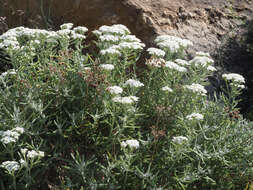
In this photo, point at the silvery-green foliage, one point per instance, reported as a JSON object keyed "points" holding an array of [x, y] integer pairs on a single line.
{"points": [[78, 121]]}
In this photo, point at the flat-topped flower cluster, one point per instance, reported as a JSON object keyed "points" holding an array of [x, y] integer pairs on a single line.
{"points": [[13, 39], [116, 39]]}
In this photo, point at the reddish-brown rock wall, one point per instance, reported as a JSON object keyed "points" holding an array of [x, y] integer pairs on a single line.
{"points": [[202, 21]]}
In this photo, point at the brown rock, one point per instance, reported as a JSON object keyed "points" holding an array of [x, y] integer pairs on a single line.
{"points": [[202, 21]]}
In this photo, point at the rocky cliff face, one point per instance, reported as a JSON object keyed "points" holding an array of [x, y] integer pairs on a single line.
{"points": [[202, 21]]}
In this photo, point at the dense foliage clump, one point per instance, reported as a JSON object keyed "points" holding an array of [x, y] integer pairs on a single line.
{"points": [[73, 120]]}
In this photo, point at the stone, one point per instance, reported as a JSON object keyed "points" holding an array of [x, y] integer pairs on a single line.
{"points": [[202, 21]]}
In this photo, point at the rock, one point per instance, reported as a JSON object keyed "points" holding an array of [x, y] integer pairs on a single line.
{"points": [[202, 21]]}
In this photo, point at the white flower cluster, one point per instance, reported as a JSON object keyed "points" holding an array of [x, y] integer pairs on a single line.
{"points": [[115, 89], [110, 51], [130, 38], [156, 52], [32, 153], [125, 100], [234, 77], [167, 89], [205, 54], [174, 66], [133, 83], [107, 67], [132, 45], [77, 36], [195, 116], [172, 43], [64, 33], [80, 30], [97, 33], [10, 136], [11, 37], [211, 68], [182, 62], [109, 38], [241, 86], [118, 29], [115, 39], [11, 166], [197, 88], [179, 139], [67, 26], [22, 162], [155, 62], [9, 72], [131, 143], [201, 61]]}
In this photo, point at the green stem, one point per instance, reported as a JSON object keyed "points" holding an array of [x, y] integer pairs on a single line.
{"points": [[14, 182]]}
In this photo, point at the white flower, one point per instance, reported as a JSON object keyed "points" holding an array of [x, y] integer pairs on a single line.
{"points": [[134, 98], [211, 68], [86, 68], [109, 38], [22, 162], [13, 134], [8, 139], [155, 51], [124, 144], [107, 67], [200, 53], [234, 77], [115, 89], [64, 32], [10, 166], [33, 154], [115, 29], [132, 45], [36, 41], [110, 51], [182, 62], [179, 139], [133, 83], [131, 143], [10, 43], [241, 86], [166, 88], [125, 100], [9, 72], [122, 27], [156, 62], [196, 116], [9, 136], [20, 130], [66, 26], [174, 66], [77, 36], [198, 88], [80, 29], [97, 32], [172, 46], [201, 60], [23, 151], [172, 43], [130, 38]]}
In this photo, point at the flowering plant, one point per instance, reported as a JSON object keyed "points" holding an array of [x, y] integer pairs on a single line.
{"points": [[73, 120]]}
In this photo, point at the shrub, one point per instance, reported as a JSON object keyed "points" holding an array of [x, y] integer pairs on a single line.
{"points": [[73, 120]]}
